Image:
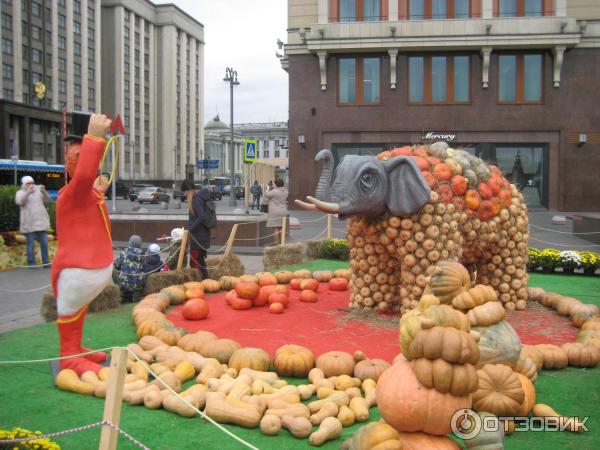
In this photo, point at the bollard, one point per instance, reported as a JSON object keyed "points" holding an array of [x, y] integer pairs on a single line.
{"points": [[164, 205], [177, 204]]}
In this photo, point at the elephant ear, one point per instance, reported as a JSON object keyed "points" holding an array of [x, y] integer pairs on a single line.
{"points": [[408, 190]]}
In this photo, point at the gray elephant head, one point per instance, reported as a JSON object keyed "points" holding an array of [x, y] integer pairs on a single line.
{"points": [[367, 186]]}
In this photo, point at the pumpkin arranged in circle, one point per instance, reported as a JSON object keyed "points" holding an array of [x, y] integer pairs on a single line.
{"points": [[295, 284], [211, 285], [227, 282], [370, 368], [170, 334], [267, 279], [195, 309], [220, 349], [336, 363], [176, 294], [407, 405], [276, 308], [247, 290], [293, 361], [192, 285], [284, 276], [250, 357], [194, 293], [308, 296], [309, 283], [338, 284], [276, 297], [500, 390]]}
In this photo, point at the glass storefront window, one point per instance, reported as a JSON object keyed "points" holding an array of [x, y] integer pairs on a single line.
{"points": [[438, 78], [415, 78], [532, 68], [347, 80], [507, 69], [371, 80]]}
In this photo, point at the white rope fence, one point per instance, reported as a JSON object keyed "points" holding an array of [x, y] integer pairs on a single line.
{"points": [[563, 232], [151, 372]]}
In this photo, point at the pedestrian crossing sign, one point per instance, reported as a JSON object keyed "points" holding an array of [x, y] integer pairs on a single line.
{"points": [[250, 151]]}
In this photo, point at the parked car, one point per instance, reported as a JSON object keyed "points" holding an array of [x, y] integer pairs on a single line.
{"points": [[214, 192], [122, 190], [240, 192], [177, 194], [135, 190], [153, 194], [226, 190]]}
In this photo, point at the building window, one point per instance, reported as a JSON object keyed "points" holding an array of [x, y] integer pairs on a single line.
{"points": [[49, 60], [62, 42], [91, 74], [359, 80], [438, 79], [146, 43], [6, 21], [77, 48], [77, 6], [77, 90], [62, 2], [126, 86], [36, 33], [91, 92], [7, 94], [126, 50], [62, 86], [36, 55], [90, 14], [77, 69], [62, 20], [91, 34], [91, 53], [438, 9], [76, 27], [35, 77], [62, 64], [276, 153], [514, 8], [360, 10], [36, 9], [126, 31], [7, 46], [520, 78], [7, 71]]}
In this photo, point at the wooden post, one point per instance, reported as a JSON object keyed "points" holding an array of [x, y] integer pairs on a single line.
{"points": [[283, 229], [182, 249], [328, 226], [114, 395], [231, 239]]}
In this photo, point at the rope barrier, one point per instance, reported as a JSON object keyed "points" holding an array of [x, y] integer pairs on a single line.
{"points": [[26, 291], [563, 232], [151, 372], [35, 266], [145, 273], [314, 220]]}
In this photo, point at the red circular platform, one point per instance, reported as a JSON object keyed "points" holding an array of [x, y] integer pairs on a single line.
{"points": [[322, 326]]}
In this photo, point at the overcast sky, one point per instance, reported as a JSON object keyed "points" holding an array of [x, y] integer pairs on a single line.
{"points": [[242, 34]]}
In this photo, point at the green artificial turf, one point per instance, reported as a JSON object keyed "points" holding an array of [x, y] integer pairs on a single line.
{"points": [[28, 399]]}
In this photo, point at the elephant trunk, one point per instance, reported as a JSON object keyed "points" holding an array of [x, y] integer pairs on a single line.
{"points": [[323, 191]]}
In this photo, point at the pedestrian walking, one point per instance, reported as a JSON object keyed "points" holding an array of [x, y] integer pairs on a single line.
{"points": [[277, 208], [202, 219], [264, 201], [130, 265], [34, 220], [256, 192]]}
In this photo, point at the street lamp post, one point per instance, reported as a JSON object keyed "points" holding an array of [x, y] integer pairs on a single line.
{"points": [[231, 77]]}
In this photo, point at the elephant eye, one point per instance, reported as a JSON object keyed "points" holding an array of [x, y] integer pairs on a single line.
{"points": [[367, 180]]}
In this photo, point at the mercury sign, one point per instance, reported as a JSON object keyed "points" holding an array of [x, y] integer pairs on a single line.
{"points": [[438, 136]]}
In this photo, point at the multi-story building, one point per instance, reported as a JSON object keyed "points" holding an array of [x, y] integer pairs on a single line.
{"points": [[217, 142], [271, 138], [50, 58], [153, 75], [515, 81]]}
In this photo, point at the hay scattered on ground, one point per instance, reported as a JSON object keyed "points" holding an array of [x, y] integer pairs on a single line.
{"points": [[109, 298], [312, 248], [220, 265], [191, 274], [283, 255], [370, 317], [157, 281]]}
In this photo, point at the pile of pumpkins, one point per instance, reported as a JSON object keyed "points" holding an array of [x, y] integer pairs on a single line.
{"points": [[458, 352]]}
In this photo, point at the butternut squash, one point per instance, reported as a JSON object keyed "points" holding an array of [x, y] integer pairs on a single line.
{"points": [[288, 394], [339, 398], [196, 360], [315, 374], [306, 391], [299, 427], [329, 409], [211, 368], [257, 374], [136, 397], [103, 374], [175, 404], [346, 416], [360, 408], [543, 410], [159, 368], [185, 371], [330, 428], [261, 387], [293, 410], [140, 353], [99, 386], [169, 379], [231, 411], [240, 388], [353, 392], [140, 370], [343, 382], [153, 399], [270, 424]]}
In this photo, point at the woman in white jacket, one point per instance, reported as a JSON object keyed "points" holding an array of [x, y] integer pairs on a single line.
{"points": [[34, 220]]}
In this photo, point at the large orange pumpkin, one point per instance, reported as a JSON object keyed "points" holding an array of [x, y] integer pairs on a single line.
{"points": [[251, 357], [276, 297], [267, 279], [195, 309], [293, 361], [336, 363], [263, 295], [247, 290], [529, 399], [408, 406]]}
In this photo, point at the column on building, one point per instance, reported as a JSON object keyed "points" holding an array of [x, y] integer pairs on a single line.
{"points": [[98, 59], [151, 101], [17, 53], [192, 104], [70, 57], [142, 112], [84, 56]]}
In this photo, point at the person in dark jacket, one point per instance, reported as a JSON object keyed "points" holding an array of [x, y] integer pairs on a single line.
{"points": [[202, 218], [152, 261], [130, 266], [256, 192]]}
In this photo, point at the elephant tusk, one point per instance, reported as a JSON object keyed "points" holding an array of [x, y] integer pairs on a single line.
{"points": [[307, 206], [324, 206]]}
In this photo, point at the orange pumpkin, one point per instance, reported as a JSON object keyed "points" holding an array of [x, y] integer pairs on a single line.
{"points": [[459, 184], [485, 191], [505, 197], [408, 406], [500, 390], [384, 155], [529, 399], [495, 184], [308, 296], [336, 363], [421, 162], [442, 171], [250, 357], [263, 295], [267, 280], [295, 284], [276, 297], [309, 283], [247, 290], [445, 192], [276, 308], [282, 290], [421, 151], [485, 210], [338, 284], [231, 295], [284, 276], [431, 181], [195, 309], [472, 199], [398, 151], [293, 361], [240, 303]]}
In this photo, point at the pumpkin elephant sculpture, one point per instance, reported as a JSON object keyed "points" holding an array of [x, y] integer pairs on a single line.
{"points": [[412, 207]]}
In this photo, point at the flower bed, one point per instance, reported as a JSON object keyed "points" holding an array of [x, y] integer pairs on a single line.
{"points": [[550, 259]]}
